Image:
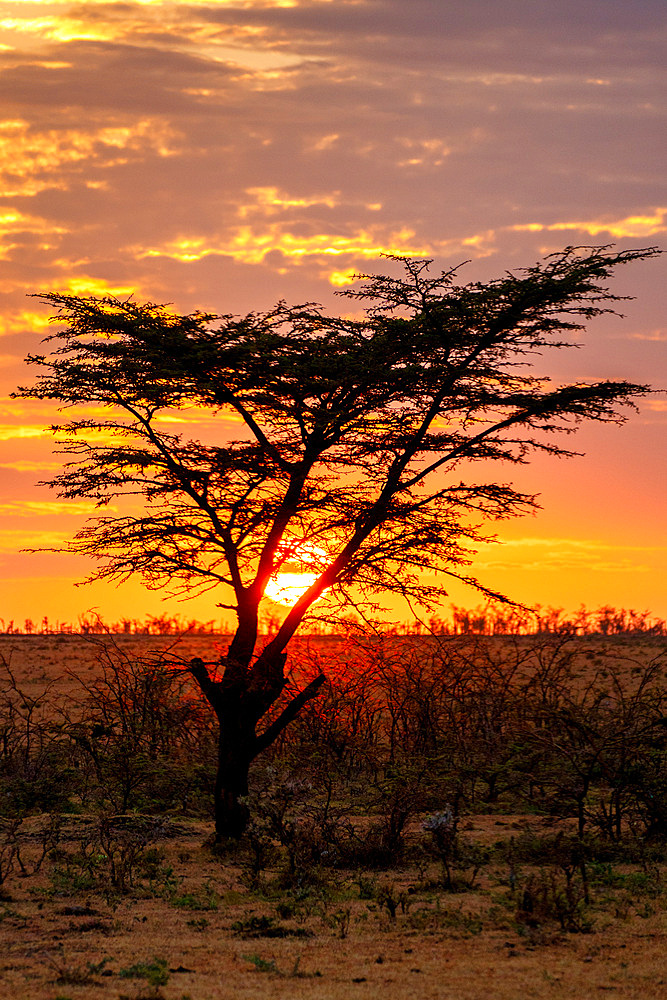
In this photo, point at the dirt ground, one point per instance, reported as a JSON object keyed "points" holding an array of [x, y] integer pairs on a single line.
{"points": [[196, 927], [197, 930]]}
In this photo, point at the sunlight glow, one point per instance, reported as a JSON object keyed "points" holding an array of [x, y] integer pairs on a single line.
{"points": [[340, 278], [86, 285], [12, 432], [300, 566], [24, 319], [289, 587]]}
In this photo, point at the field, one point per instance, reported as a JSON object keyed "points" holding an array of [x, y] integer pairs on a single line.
{"points": [[481, 820]]}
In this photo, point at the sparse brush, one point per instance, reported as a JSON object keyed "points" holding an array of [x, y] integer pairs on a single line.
{"points": [[390, 898], [49, 837], [340, 921], [75, 975], [460, 859], [8, 849], [261, 964], [553, 896]]}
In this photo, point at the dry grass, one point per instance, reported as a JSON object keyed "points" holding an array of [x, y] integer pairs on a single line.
{"points": [[60, 942], [40, 659], [336, 945]]}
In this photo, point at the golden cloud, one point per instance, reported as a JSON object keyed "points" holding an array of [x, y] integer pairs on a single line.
{"points": [[48, 508], [341, 278], [12, 432], [13, 540], [199, 418], [63, 22], [22, 465], [424, 152], [33, 161], [568, 554], [22, 320], [13, 222], [86, 285], [630, 227], [16, 432], [58, 27], [655, 336], [250, 245], [269, 200]]}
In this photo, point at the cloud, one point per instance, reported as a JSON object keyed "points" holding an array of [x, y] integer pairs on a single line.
{"points": [[224, 155], [12, 432], [252, 245], [25, 465], [32, 160], [18, 321], [653, 336], [46, 508], [568, 554], [630, 227], [16, 539]]}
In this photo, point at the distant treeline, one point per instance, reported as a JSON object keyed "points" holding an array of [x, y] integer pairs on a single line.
{"points": [[605, 620], [481, 620]]}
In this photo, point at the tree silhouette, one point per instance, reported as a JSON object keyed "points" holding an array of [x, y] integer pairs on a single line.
{"points": [[355, 435]]}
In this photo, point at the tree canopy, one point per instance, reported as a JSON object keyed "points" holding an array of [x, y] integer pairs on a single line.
{"points": [[358, 434]]}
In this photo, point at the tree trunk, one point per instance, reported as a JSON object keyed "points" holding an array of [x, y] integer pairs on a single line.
{"points": [[231, 790], [236, 746], [239, 708]]}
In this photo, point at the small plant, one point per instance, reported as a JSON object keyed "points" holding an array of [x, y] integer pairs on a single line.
{"points": [[206, 899], [49, 839], [554, 896], [261, 850], [460, 859], [367, 886], [388, 898], [125, 845], [340, 921], [75, 975], [256, 927], [79, 871], [8, 849], [262, 964], [443, 827], [198, 923], [253, 927], [155, 973]]}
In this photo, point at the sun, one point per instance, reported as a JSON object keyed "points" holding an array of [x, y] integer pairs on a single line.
{"points": [[301, 564]]}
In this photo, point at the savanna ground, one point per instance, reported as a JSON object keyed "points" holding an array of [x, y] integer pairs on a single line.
{"points": [[459, 818]]}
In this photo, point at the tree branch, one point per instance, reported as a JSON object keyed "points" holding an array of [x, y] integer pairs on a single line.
{"points": [[265, 739]]}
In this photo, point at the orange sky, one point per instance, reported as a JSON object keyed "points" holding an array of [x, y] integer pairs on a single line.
{"points": [[222, 155]]}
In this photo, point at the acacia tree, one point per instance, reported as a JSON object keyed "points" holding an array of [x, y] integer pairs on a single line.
{"points": [[356, 437]]}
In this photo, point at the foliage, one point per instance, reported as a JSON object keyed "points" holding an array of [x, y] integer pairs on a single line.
{"points": [[76, 975], [206, 899], [342, 423], [155, 972], [555, 895], [138, 729], [113, 857]]}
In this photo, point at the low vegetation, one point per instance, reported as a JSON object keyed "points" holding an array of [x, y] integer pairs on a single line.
{"points": [[446, 800]]}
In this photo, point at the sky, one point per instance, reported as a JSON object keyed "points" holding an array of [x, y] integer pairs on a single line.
{"points": [[224, 155]]}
